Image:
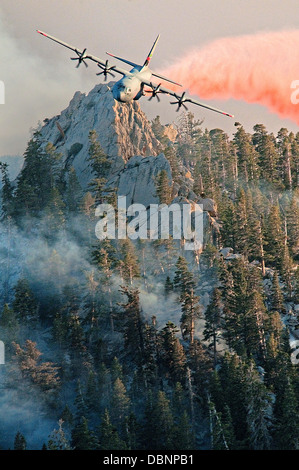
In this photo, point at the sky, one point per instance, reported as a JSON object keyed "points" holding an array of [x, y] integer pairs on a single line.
{"points": [[40, 80]]}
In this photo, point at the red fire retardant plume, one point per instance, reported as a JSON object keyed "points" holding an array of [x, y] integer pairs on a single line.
{"points": [[256, 68]]}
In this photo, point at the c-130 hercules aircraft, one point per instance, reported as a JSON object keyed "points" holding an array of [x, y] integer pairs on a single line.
{"points": [[131, 86]]}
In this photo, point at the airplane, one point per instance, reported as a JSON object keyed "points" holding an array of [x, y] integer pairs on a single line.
{"points": [[132, 85]]}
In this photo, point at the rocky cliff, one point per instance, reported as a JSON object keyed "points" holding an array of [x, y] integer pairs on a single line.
{"points": [[127, 137], [123, 131]]}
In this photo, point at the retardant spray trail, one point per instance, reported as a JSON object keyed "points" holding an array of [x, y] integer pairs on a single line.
{"points": [[255, 68]]}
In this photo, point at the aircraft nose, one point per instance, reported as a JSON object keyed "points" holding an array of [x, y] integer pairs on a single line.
{"points": [[116, 93], [119, 95]]}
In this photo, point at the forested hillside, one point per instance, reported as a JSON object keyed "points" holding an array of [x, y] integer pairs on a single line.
{"points": [[118, 344]]}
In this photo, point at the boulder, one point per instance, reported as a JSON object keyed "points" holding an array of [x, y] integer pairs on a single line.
{"points": [[209, 205]]}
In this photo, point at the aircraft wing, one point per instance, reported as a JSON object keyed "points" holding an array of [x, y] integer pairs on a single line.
{"points": [[180, 99], [82, 56]]}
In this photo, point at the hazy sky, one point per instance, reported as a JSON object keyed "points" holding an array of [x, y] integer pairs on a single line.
{"points": [[40, 80]]}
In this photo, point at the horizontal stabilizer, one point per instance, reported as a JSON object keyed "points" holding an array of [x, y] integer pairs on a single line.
{"points": [[123, 60]]}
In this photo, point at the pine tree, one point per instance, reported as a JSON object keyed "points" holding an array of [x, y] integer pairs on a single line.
{"points": [[296, 285], [108, 435], [241, 224], [60, 329], [173, 356], [54, 159], [287, 421], [58, 439], [82, 437], [190, 312], [7, 193], [76, 339], [20, 442], [206, 168], [276, 296], [247, 156], [80, 402], [292, 219], [163, 188], [39, 175], [201, 366], [151, 353], [284, 143], [99, 164], [218, 439], [265, 145], [67, 416], [256, 316], [130, 266], [286, 271], [184, 281], [54, 214], [24, 304], [197, 177], [132, 324], [213, 318], [159, 130], [184, 438], [168, 286], [42, 374], [132, 428], [92, 393], [159, 425], [255, 237], [172, 158], [9, 327], [104, 256], [120, 403], [233, 380], [221, 155], [73, 194], [228, 428], [228, 217], [259, 411], [274, 237]]}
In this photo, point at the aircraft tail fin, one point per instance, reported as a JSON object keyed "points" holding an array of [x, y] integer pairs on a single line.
{"points": [[151, 52], [147, 61]]}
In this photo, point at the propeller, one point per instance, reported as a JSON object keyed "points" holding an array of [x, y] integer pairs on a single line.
{"points": [[180, 101], [80, 58], [106, 70], [154, 91]]}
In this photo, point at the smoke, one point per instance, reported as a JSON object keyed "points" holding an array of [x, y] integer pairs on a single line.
{"points": [[35, 86], [254, 68]]}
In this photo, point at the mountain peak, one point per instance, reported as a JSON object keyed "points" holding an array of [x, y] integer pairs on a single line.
{"points": [[123, 130]]}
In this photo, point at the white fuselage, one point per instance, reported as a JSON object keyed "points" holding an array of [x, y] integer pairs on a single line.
{"points": [[130, 87]]}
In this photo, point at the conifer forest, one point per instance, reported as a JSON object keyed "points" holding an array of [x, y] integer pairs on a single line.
{"points": [[139, 344]]}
